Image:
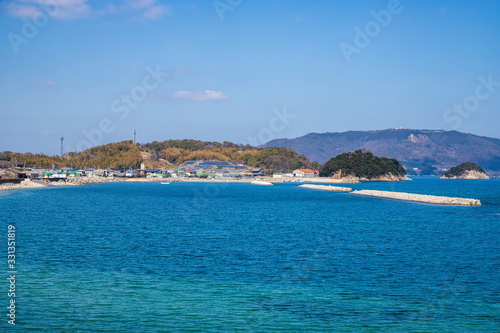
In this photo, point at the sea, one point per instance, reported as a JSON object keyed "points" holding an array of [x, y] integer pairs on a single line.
{"points": [[239, 257]]}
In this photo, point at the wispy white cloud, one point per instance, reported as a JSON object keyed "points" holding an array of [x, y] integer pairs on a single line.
{"points": [[149, 9], [74, 9], [17, 10], [156, 12], [140, 4], [45, 83], [59, 9], [200, 96]]}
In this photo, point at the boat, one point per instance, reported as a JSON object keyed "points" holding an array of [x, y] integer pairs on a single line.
{"points": [[165, 183], [260, 182]]}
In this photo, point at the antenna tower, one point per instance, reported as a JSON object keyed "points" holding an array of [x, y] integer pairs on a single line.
{"points": [[62, 146]]}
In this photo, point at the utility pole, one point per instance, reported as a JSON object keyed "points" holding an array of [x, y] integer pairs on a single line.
{"points": [[135, 132], [62, 146]]}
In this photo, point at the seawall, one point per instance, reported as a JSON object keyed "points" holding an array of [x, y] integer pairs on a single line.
{"points": [[327, 188], [432, 199]]}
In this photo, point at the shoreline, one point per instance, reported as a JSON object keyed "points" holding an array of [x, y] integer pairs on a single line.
{"points": [[30, 184], [249, 180], [310, 183]]}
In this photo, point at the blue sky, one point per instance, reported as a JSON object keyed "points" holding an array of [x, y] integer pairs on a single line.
{"points": [[243, 71]]}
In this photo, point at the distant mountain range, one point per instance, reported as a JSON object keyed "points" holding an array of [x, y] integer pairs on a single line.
{"points": [[429, 151]]}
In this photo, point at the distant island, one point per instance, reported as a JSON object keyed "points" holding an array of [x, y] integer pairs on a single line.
{"points": [[363, 165], [422, 152], [466, 170]]}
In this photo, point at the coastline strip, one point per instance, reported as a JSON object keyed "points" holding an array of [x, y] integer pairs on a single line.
{"points": [[432, 199], [327, 188]]}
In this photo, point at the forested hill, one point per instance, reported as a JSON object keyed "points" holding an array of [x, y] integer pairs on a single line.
{"points": [[175, 152], [120, 156], [427, 150], [362, 163], [462, 169], [167, 154]]}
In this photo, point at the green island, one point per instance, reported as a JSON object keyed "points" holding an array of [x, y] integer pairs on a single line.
{"points": [[363, 164], [466, 170]]}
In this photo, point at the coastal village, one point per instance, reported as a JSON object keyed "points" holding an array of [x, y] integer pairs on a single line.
{"points": [[201, 170], [194, 170]]}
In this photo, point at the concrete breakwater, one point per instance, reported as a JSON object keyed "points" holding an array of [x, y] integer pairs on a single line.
{"points": [[432, 199], [91, 180], [327, 188], [329, 180]]}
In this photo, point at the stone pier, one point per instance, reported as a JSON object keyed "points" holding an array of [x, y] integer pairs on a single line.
{"points": [[432, 199], [327, 187]]}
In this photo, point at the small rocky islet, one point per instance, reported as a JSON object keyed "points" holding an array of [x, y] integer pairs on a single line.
{"points": [[466, 170]]}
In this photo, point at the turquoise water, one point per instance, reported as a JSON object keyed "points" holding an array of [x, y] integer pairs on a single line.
{"points": [[146, 257]]}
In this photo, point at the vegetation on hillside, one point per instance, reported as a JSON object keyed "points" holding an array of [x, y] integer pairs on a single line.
{"points": [[118, 156], [462, 168], [269, 159], [124, 155], [12, 159], [121, 155], [278, 160], [362, 163]]}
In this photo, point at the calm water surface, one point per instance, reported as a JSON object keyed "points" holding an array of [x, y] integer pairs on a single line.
{"points": [[146, 257]]}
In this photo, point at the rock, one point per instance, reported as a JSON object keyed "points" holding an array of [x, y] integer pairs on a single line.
{"points": [[469, 174], [466, 170]]}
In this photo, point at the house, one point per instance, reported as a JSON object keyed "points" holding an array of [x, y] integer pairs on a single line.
{"points": [[36, 173], [178, 174], [102, 172], [201, 165], [257, 172], [305, 173], [213, 169], [190, 173], [146, 172], [155, 175], [12, 173], [88, 172], [202, 175], [55, 175], [227, 174]]}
